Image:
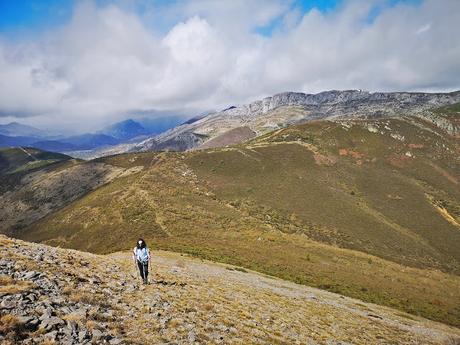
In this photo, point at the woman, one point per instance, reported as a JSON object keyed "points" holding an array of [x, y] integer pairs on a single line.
{"points": [[141, 256]]}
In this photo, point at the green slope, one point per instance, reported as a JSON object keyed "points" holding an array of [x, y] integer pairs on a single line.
{"points": [[14, 160]]}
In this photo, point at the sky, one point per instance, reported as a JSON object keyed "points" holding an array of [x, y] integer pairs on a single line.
{"points": [[78, 65]]}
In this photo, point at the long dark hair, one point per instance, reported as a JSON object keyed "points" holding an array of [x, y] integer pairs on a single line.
{"points": [[142, 245]]}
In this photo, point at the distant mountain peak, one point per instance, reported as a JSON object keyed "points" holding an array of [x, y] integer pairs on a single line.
{"points": [[16, 129], [126, 129], [128, 122]]}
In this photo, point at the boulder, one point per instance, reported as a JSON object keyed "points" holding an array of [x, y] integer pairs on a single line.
{"points": [[31, 275], [83, 334], [97, 334], [50, 323]]}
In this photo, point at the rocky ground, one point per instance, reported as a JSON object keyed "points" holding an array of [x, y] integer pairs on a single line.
{"points": [[59, 296]]}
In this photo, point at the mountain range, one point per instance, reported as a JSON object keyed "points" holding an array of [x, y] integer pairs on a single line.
{"points": [[239, 123], [15, 134], [234, 124], [15, 129]]}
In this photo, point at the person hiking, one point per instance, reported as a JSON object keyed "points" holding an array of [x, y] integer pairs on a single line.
{"points": [[141, 257]]}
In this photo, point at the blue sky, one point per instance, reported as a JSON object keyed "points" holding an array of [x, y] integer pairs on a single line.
{"points": [[25, 16], [19, 15]]}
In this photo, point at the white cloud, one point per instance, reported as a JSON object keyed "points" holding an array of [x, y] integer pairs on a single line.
{"points": [[423, 28], [107, 61]]}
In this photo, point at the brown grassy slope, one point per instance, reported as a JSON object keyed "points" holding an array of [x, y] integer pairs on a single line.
{"points": [[30, 194], [231, 137], [262, 205], [15, 163], [191, 300], [349, 186]]}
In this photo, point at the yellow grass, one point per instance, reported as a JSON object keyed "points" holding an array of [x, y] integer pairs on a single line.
{"points": [[9, 285]]}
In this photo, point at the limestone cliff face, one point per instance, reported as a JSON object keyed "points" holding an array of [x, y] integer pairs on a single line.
{"points": [[350, 98]]}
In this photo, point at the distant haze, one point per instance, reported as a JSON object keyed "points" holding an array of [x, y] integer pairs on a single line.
{"points": [[110, 59]]}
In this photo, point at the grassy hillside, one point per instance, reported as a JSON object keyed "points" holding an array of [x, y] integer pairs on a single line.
{"points": [[36, 183], [368, 209], [351, 185], [452, 111], [14, 160]]}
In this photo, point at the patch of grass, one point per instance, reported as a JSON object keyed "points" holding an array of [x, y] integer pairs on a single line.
{"points": [[13, 330], [86, 297], [240, 269], [208, 307], [9, 323], [12, 286], [76, 317], [407, 316]]}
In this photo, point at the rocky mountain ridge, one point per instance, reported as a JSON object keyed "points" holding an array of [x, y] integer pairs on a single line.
{"points": [[411, 101], [288, 108]]}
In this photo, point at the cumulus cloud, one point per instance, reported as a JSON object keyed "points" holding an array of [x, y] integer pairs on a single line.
{"points": [[200, 55]]}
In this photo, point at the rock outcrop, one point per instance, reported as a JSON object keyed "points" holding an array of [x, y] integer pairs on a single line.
{"points": [[41, 303]]}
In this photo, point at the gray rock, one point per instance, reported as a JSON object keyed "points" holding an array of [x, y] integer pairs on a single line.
{"points": [[67, 341], [52, 335], [97, 334], [57, 301], [66, 310], [51, 323], [31, 275], [82, 335], [46, 314], [191, 337], [8, 304], [72, 326], [24, 319], [31, 297], [30, 322]]}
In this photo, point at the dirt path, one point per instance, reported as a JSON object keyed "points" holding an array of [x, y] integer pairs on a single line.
{"points": [[27, 153]]}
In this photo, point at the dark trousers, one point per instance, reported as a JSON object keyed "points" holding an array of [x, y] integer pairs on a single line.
{"points": [[143, 269]]}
